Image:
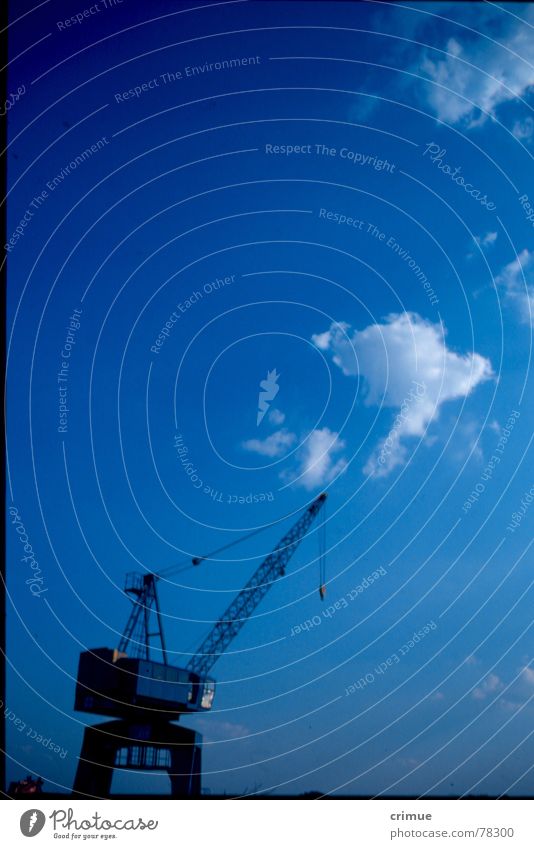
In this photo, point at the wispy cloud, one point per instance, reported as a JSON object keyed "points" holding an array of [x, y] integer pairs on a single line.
{"points": [[318, 462], [272, 446], [489, 687], [517, 280], [480, 74], [276, 417], [527, 675], [489, 239], [524, 129], [519, 692], [393, 357], [220, 731]]}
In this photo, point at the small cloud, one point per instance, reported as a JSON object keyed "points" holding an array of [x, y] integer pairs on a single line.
{"points": [[406, 365], [468, 443], [489, 239], [524, 130], [527, 676], [437, 696], [276, 417], [517, 280], [471, 660], [491, 685], [520, 692], [317, 463], [272, 446], [219, 731], [494, 426]]}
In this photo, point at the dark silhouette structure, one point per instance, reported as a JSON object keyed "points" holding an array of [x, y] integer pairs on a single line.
{"points": [[147, 696]]}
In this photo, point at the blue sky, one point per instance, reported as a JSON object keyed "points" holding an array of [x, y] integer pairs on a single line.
{"points": [[349, 211]]}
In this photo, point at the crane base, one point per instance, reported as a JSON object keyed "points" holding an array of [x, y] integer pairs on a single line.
{"points": [[123, 744]]}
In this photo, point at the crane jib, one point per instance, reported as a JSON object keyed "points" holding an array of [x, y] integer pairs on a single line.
{"points": [[237, 613]]}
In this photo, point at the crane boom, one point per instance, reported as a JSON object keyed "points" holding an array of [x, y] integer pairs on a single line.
{"points": [[235, 616]]}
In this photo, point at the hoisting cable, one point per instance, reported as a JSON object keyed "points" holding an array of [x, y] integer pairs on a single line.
{"points": [[196, 560], [184, 565], [322, 556], [177, 569]]}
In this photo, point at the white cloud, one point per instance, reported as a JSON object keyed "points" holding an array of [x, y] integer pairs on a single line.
{"points": [[485, 241], [489, 239], [491, 685], [318, 460], [273, 446], [407, 365], [276, 417], [524, 129], [480, 74], [317, 463], [519, 692], [517, 279], [527, 675]]}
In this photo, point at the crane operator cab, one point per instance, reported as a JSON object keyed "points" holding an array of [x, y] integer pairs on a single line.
{"points": [[110, 683]]}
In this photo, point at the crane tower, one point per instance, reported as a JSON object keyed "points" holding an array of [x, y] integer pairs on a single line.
{"points": [[147, 695]]}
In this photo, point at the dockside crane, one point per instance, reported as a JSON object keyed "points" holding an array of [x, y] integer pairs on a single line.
{"points": [[146, 695]]}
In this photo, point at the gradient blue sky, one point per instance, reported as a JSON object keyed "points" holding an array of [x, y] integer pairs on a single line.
{"points": [[184, 192]]}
